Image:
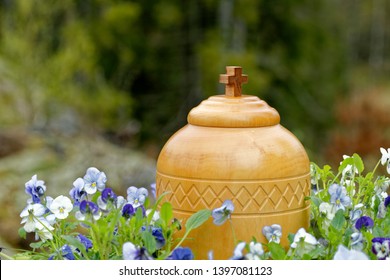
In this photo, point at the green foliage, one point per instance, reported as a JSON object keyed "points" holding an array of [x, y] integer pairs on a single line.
{"points": [[109, 61], [198, 219], [51, 66]]}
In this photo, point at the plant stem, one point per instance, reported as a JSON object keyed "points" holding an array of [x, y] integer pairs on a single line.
{"points": [[234, 234], [2, 255], [375, 168]]}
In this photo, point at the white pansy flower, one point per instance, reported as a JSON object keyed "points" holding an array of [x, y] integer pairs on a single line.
{"points": [[61, 206], [344, 254], [156, 215], [385, 159], [30, 216], [255, 251], [328, 209], [302, 235], [43, 229]]}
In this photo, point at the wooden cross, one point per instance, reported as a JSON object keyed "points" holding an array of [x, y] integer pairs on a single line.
{"points": [[233, 80]]}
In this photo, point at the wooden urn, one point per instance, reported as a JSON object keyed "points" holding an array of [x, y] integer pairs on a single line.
{"points": [[234, 147]]}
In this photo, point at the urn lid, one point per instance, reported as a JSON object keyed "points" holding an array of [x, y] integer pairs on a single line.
{"points": [[233, 109]]}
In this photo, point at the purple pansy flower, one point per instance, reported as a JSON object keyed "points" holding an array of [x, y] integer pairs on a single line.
{"points": [[67, 253], [387, 201], [108, 196], [181, 253], [88, 208], [364, 222], [158, 236], [381, 247], [128, 210], [77, 193], [85, 241], [132, 252]]}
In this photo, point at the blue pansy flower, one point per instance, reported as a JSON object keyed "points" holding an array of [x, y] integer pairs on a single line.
{"points": [[273, 233], [181, 253], [107, 197], [88, 208], [133, 252], [364, 222], [136, 196], [222, 214], [355, 214], [158, 235], [36, 188], [128, 210], [77, 193], [387, 201], [94, 180], [67, 253], [357, 241], [381, 247], [338, 196], [85, 241]]}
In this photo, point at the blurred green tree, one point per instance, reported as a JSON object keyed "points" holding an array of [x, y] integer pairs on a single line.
{"points": [[136, 68]]}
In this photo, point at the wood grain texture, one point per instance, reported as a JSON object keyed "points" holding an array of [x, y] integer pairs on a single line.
{"points": [[234, 147]]}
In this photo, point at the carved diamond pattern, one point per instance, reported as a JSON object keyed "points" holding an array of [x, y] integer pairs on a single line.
{"points": [[275, 196], [299, 193], [243, 197], [193, 195], [209, 196], [288, 194], [260, 198], [180, 194], [248, 198]]}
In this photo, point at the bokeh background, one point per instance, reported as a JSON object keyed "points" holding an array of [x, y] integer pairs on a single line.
{"points": [[105, 83]]}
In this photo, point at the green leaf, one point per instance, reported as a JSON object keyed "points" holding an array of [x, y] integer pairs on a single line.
{"points": [[161, 197], [22, 233], [197, 219], [338, 220], [316, 252], [166, 213], [155, 206], [345, 162], [149, 241], [358, 162], [36, 245], [290, 237], [316, 200], [277, 251], [139, 215]]}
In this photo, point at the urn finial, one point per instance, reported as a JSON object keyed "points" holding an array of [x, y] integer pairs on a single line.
{"points": [[233, 80]]}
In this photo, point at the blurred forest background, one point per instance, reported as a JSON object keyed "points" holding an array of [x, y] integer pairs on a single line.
{"points": [[106, 82]]}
